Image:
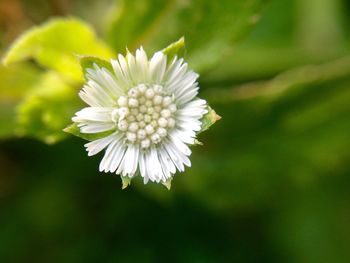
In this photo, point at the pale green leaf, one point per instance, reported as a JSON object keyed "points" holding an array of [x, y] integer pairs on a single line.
{"points": [[56, 43], [209, 119], [47, 109], [175, 49], [16, 82], [167, 183], [126, 181]]}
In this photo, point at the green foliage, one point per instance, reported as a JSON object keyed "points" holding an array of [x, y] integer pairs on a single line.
{"points": [[131, 31], [45, 111], [210, 27], [292, 42], [35, 104], [15, 83], [56, 43], [45, 107]]}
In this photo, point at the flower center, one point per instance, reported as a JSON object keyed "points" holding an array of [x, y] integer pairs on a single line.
{"points": [[146, 114]]}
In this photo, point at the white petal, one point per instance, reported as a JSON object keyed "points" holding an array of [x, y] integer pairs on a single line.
{"points": [[187, 136], [175, 157], [94, 95], [105, 80], [142, 64], [94, 120], [192, 112], [130, 161], [195, 108], [157, 67], [122, 80], [167, 160], [111, 83], [175, 72], [148, 167], [95, 127], [184, 83], [166, 163], [195, 103], [125, 69], [98, 114], [155, 165], [106, 163], [120, 168], [85, 95], [142, 166], [177, 142], [182, 157], [188, 124], [133, 70], [188, 95], [94, 147], [118, 155]]}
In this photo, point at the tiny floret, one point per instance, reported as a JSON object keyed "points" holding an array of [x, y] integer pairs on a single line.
{"points": [[150, 112]]}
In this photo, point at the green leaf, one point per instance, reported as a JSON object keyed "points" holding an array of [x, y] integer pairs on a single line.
{"points": [[126, 181], [210, 27], [167, 183], [133, 20], [75, 130], [89, 61], [47, 109], [16, 82], [209, 119], [55, 44], [175, 49]]}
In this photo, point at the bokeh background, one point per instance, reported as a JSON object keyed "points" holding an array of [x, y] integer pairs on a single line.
{"points": [[271, 182]]}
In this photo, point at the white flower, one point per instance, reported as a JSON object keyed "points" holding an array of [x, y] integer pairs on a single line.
{"points": [[152, 109]]}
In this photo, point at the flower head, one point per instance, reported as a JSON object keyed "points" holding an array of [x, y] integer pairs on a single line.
{"points": [[152, 113]]}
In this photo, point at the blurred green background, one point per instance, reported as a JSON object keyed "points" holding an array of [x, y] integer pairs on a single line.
{"points": [[270, 184]]}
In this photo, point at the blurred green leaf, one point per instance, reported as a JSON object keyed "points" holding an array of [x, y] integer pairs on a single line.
{"points": [[55, 44], [47, 109], [15, 84], [281, 83], [210, 27], [294, 139], [271, 47], [131, 20]]}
